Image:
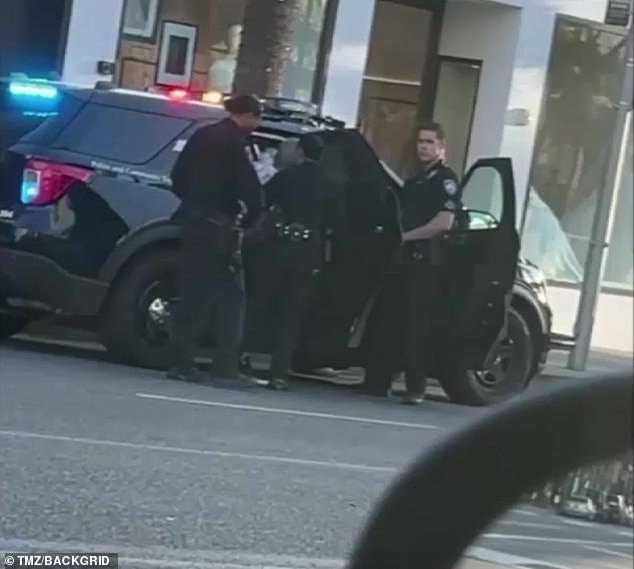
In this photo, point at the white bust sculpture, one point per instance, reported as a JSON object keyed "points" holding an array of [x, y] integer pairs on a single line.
{"points": [[223, 66]]}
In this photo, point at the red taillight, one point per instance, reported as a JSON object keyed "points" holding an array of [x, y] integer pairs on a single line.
{"points": [[45, 182]]}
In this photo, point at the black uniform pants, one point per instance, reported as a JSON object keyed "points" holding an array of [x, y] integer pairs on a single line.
{"points": [[210, 291], [286, 272], [406, 324], [419, 289]]}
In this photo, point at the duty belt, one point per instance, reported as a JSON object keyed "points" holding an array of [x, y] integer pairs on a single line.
{"points": [[295, 232]]}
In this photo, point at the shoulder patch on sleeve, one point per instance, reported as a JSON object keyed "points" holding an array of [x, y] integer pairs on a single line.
{"points": [[451, 187]]}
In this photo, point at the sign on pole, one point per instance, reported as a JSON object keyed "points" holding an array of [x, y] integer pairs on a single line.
{"points": [[618, 13]]}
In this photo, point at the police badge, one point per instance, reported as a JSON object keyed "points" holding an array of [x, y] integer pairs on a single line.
{"points": [[450, 187]]}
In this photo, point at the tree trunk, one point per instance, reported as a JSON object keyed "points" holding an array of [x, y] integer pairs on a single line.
{"points": [[267, 43]]}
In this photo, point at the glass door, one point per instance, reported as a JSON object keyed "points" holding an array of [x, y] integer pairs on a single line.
{"points": [[454, 108], [400, 47]]}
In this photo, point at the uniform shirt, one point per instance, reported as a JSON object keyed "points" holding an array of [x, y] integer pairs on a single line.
{"points": [[307, 196], [428, 193], [213, 174]]}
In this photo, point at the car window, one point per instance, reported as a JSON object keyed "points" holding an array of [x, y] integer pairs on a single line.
{"points": [[46, 128], [123, 135], [484, 192], [22, 117], [164, 161]]}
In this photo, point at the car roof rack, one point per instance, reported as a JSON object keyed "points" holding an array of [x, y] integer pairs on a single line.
{"points": [[280, 109]]}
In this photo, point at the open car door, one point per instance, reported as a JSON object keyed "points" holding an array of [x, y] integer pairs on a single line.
{"points": [[479, 261], [354, 260]]}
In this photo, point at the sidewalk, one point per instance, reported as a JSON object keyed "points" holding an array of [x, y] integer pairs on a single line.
{"points": [[600, 362]]}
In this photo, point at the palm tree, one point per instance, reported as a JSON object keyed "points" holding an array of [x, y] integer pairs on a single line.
{"points": [[267, 42]]}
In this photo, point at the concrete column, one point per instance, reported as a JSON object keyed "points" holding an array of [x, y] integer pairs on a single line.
{"points": [[93, 35]]}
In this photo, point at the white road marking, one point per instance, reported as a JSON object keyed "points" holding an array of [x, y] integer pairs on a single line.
{"points": [[292, 412], [551, 539], [577, 523], [627, 534], [608, 551], [527, 525], [506, 559], [202, 452], [524, 512]]}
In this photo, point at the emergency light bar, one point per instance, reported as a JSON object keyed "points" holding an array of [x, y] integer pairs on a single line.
{"points": [[37, 89]]}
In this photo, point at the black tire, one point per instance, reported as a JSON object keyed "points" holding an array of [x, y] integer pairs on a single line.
{"points": [[129, 333], [477, 388], [11, 325]]}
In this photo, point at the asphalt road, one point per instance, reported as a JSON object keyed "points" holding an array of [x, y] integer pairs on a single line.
{"points": [[100, 457]]}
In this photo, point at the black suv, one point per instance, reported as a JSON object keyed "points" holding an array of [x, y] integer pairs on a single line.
{"points": [[86, 237]]}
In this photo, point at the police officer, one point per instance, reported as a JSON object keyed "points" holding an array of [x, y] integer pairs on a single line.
{"points": [[217, 185], [430, 202], [309, 206]]}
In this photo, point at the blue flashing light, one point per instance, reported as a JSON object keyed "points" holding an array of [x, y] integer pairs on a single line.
{"points": [[30, 186], [38, 114], [33, 89]]}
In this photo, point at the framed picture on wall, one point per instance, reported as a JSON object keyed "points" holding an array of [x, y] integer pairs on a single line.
{"points": [[140, 19], [176, 54]]}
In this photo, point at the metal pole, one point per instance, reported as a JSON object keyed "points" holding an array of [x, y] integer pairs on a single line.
{"points": [[601, 230]]}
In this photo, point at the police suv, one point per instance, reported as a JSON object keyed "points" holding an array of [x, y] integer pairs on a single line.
{"points": [[86, 236]]}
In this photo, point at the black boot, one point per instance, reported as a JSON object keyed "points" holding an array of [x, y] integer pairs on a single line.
{"points": [[190, 375], [246, 367], [277, 384], [415, 393]]}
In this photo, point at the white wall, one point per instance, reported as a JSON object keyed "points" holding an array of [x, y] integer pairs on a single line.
{"points": [[485, 31], [613, 328], [93, 36], [531, 64], [346, 67]]}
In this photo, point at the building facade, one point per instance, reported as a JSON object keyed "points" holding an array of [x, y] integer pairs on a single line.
{"points": [[536, 80]]}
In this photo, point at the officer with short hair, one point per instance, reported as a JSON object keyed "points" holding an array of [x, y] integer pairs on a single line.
{"points": [[430, 202], [309, 206], [218, 187]]}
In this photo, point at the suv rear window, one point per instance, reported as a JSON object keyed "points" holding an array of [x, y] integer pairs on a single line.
{"points": [[21, 116], [123, 135]]}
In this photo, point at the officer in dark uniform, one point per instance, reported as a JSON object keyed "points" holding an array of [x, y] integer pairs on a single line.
{"points": [[218, 187], [309, 207], [430, 202]]}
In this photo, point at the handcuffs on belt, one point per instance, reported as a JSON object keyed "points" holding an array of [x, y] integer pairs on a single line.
{"points": [[431, 250], [295, 232], [417, 251]]}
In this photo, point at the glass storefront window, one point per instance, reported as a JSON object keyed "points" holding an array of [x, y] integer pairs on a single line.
{"points": [[392, 83], [299, 77], [456, 94], [571, 151], [214, 30]]}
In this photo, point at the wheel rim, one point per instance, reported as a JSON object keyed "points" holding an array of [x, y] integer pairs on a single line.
{"points": [[154, 312], [495, 376]]}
